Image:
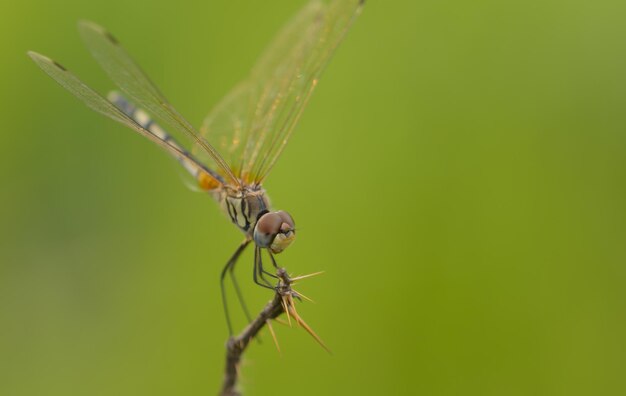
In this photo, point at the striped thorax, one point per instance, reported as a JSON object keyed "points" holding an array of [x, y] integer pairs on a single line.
{"points": [[243, 207]]}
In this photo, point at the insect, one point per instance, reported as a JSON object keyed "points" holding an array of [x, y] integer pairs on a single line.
{"points": [[242, 137]]}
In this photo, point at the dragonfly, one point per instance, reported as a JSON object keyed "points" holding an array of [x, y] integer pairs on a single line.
{"points": [[244, 134]]}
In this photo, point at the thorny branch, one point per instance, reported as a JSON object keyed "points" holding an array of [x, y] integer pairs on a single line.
{"points": [[283, 301]]}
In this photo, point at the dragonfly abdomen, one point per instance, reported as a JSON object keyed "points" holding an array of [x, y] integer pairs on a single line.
{"points": [[207, 179]]}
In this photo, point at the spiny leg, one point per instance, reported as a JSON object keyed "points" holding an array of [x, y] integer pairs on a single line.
{"points": [[258, 267], [230, 265], [273, 263], [263, 272], [273, 260], [242, 302]]}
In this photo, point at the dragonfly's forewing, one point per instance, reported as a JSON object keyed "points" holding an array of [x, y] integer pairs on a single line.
{"points": [[98, 103], [252, 124], [129, 77]]}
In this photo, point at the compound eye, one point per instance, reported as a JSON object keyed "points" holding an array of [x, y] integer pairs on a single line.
{"points": [[266, 229], [269, 224], [286, 218], [274, 230]]}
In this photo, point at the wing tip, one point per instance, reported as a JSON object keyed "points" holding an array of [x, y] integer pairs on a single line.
{"points": [[39, 59], [85, 25]]}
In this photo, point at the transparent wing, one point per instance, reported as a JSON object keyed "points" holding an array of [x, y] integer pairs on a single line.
{"points": [[98, 103], [129, 77], [252, 124]]}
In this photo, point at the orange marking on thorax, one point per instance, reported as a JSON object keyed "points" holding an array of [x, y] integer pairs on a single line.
{"points": [[207, 182]]}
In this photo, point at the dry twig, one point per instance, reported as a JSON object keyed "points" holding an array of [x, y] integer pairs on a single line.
{"points": [[283, 301]]}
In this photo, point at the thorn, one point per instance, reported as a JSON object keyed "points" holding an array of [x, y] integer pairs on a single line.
{"points": [[297, 278], [309, 330], [269, 326], [284, 303], [298, 294], [282, 322], [292, 304]]}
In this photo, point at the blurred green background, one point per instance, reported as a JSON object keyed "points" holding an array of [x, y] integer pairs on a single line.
{"points": [[459, 175]]}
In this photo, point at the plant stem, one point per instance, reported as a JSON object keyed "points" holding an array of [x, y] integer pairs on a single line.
{"points": [[235, 346]]}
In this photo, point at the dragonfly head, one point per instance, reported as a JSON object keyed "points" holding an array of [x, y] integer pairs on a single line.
{"points": [[275, 231]]}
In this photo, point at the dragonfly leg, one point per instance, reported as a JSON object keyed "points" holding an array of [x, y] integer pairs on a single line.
{"points": [[262, 271], [273, 259], [269, 273], [242, 302], [258, 270], [229, 267]]}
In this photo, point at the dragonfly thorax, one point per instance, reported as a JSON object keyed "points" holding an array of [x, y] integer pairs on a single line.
{"points": [[274, 231], [244, 207]]}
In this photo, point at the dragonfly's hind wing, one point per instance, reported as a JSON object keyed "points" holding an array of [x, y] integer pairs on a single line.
{"points": [[253, 123], [98, 103], [131, 79]]}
